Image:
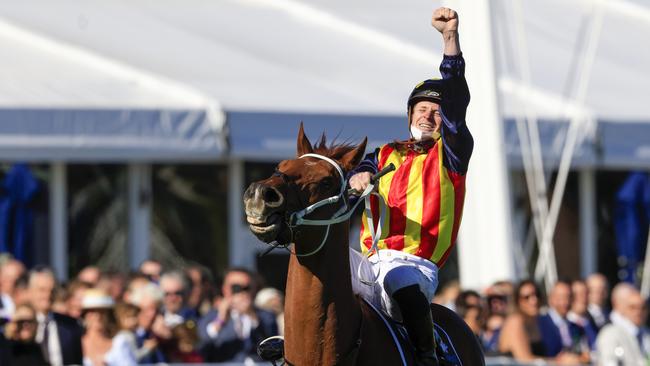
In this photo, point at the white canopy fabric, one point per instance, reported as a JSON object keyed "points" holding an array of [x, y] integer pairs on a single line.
{"points": [[61, 102], [322, 57]]}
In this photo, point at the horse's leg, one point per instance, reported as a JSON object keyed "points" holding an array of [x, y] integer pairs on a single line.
{"points": [[463, 339]]}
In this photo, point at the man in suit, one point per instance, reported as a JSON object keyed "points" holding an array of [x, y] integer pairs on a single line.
{"points": [[579, 313], [232, 331], [176, 288], [625, 341], [598, 306], [59, 335], [151, 326], [559, 334]]}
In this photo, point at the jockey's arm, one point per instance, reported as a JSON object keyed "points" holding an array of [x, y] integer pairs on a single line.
{"points": [[456, 138]]}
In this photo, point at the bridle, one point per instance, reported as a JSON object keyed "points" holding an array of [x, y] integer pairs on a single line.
{"points": [[297, 218]]}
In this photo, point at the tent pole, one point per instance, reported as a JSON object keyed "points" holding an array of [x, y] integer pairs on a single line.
{"points": [[240, 252], [532, 152], [59, 220], [140, 201], [538, 219], [588, 245], [576, 122]]}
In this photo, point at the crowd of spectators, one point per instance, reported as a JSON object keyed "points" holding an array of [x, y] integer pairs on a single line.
{"points": [[154, 315], [576, 322], [159, 315]]}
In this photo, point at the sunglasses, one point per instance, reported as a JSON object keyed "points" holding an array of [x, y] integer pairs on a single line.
{"points": [[528, 296], [174, 293], [237, 288], [25, 322]]}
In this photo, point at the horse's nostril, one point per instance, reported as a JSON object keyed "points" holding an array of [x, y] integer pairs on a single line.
{"points": [[271, 195]]}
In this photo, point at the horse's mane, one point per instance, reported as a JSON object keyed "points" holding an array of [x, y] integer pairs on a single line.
{"points": [[334, 150]]}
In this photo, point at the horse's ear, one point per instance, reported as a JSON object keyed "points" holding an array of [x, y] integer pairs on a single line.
{"points": [[352, 158], [304, 146]]}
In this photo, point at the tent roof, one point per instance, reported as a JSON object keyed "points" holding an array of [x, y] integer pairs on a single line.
{"points": [[295, 58]]}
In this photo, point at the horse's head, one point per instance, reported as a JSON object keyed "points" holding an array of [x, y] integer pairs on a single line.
{"points": [[297, 184]]}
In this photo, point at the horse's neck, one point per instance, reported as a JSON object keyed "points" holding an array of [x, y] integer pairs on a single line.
{"points": [[322, 315]]}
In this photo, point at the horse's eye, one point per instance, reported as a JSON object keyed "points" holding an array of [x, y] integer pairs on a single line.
{"points": [[326, 184]]}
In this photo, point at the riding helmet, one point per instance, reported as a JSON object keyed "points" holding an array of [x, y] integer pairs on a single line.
{"points": [[430, 89]]}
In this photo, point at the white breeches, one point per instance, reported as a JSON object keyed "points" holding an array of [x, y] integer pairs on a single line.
{"points": [[393, 270]]}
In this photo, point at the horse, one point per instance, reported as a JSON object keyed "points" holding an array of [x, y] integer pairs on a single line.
{"points": [[325, 322]]}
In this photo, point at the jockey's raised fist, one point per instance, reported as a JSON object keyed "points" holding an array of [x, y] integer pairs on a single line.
{"points": [[445, 20]]}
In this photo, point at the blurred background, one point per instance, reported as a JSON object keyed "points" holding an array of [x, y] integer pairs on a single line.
{"points": [[130, 129]]}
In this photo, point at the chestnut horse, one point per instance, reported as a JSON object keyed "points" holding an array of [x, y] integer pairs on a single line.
{"points": [[325, 322]]}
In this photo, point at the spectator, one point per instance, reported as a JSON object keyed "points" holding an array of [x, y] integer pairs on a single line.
{"points": [[520, 336], [90, 275], [20, 333], [135, 281], [186, 340], [148, 299], [579, 314], [202, 291], [76, 291], [491, 332], [59, 299], [448, 294], [232, 332], [59, 335], [562, 338], [176, 289], [152, 269], [113, 283], [498, 297], [126, 316], [625, 341], [468, 306], [468, 298], [10, 271], [598, 308], [21, 290], [99, 346], [272, 300]]}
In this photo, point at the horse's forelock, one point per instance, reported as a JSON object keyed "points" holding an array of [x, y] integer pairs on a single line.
{"points": [[334, 150]]}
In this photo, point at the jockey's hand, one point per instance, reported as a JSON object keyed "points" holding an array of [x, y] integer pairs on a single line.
{"points": [[445, 20], [360, 181]]}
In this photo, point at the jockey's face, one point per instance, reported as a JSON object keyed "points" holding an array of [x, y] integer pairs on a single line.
{"points": [[426, 117]]}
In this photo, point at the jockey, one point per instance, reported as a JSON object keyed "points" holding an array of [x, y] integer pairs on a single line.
{"points": [[424, 195]]}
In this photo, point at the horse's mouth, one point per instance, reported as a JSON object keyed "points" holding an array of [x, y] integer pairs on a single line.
{"points": [[265, 228]]}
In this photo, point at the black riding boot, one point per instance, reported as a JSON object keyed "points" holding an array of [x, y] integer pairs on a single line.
{"points": [[416, 314]]}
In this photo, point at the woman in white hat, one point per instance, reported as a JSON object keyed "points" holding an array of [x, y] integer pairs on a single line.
{"points": [[100, 348]]}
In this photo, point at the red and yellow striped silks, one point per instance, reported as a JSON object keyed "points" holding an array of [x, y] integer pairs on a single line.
{"points": [[425, 204]]}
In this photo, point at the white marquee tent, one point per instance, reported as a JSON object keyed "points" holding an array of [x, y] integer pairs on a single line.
{"points": [[228, 80]]}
